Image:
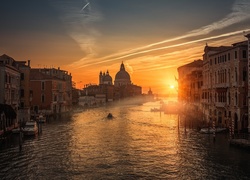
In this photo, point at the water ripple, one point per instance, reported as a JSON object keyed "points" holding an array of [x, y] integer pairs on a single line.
{"points": [[136, 144]]}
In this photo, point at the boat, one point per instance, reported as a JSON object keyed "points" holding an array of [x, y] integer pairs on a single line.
{"points": [[16, 130], [30, 128], [212, 130], [110, 116], [155, 110], [41, 118]]}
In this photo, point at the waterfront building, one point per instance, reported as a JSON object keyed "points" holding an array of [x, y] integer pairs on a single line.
{"points": [[102, 93], [248, 80], [75, 96], [225, 86], [25, 95], [218, 86], [7, 118], [105, 78], [106, 90], [190, 82], [51, 90], [9, 81], [122, 77], [150, 95], [65, 87], [189, 90], [124, 88], [9, 96]]}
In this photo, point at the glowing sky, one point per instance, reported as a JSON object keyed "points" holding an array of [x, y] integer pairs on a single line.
{"points": [[152, 37]]}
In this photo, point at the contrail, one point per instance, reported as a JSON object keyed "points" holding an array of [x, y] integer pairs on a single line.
{"points": [[100, 61], [182, 44], [239, 13], [84, 6]]}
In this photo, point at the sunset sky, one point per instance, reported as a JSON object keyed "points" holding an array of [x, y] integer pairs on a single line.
{"points": [[152, 37]]}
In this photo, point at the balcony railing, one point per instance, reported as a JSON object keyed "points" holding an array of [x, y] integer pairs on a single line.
{"points": [[220, 104]]}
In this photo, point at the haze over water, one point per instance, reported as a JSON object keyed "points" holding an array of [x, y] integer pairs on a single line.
{"points": [[135, 144]]}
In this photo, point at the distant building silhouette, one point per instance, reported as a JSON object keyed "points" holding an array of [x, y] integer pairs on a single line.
{"points": [[106, 91], [190, 82], [122, 77], [105, 78]]}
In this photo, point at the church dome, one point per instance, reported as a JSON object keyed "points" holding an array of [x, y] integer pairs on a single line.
{"points": [[107, 78], [122, 77]]}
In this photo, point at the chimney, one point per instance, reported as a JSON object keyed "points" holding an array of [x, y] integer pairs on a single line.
{"points": [[29, 63]]}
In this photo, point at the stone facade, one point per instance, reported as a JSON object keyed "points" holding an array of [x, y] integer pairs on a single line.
{"points": [[190, 82], [51, 91], [248, 83], [9, 96], [224, 89], [223, 86]]}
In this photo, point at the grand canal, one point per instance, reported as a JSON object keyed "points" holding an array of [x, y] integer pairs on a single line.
{"points": [[135, 144]]}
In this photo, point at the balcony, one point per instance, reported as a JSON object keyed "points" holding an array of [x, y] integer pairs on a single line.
{"points": [[235, 84], [220, 104], [221, 85]]}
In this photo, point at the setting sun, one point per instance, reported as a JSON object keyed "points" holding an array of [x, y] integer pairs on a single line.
{"points": [[171, 86]]}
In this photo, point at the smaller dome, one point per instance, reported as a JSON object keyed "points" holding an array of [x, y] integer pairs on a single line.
{"points": [[107, 78]]}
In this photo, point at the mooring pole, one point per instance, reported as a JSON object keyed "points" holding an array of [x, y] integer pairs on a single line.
{"points": [[20, 137]]}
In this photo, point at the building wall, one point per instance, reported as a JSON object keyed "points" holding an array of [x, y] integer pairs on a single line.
{"points": [[224, 89], [24, 106], [190, 81], [52, 90], [2, 84], [25, 85], [10, 86], [41, 96], [248, 83]]}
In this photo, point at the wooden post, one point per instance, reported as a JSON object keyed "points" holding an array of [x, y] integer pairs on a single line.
{"points": [[20, 138], [214, 129]]}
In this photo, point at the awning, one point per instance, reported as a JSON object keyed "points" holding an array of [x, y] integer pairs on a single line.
{"points": [[8, 111]]}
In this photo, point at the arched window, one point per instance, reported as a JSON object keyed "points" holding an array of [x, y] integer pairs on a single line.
{"points": [[236, 75], [236, 99]]}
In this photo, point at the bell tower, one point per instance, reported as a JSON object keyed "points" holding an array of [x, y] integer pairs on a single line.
{"points": [[100, 78]]}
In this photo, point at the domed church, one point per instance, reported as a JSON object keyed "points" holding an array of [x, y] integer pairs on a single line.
{"points": [[106, 91], [105, 78], [122, 77]]}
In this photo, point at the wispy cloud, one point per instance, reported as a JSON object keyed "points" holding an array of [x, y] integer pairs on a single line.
{"points": [[78, 17], [240, 13], [84, 62]]}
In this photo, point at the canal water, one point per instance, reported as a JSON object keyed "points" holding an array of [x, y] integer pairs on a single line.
{"points": [[135, 144]]}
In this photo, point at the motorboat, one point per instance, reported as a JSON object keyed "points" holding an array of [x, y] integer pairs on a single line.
{"points": [[110, 116], [41, 118], [155, 110], [212, 130], [16, 130], [30, 128]]}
